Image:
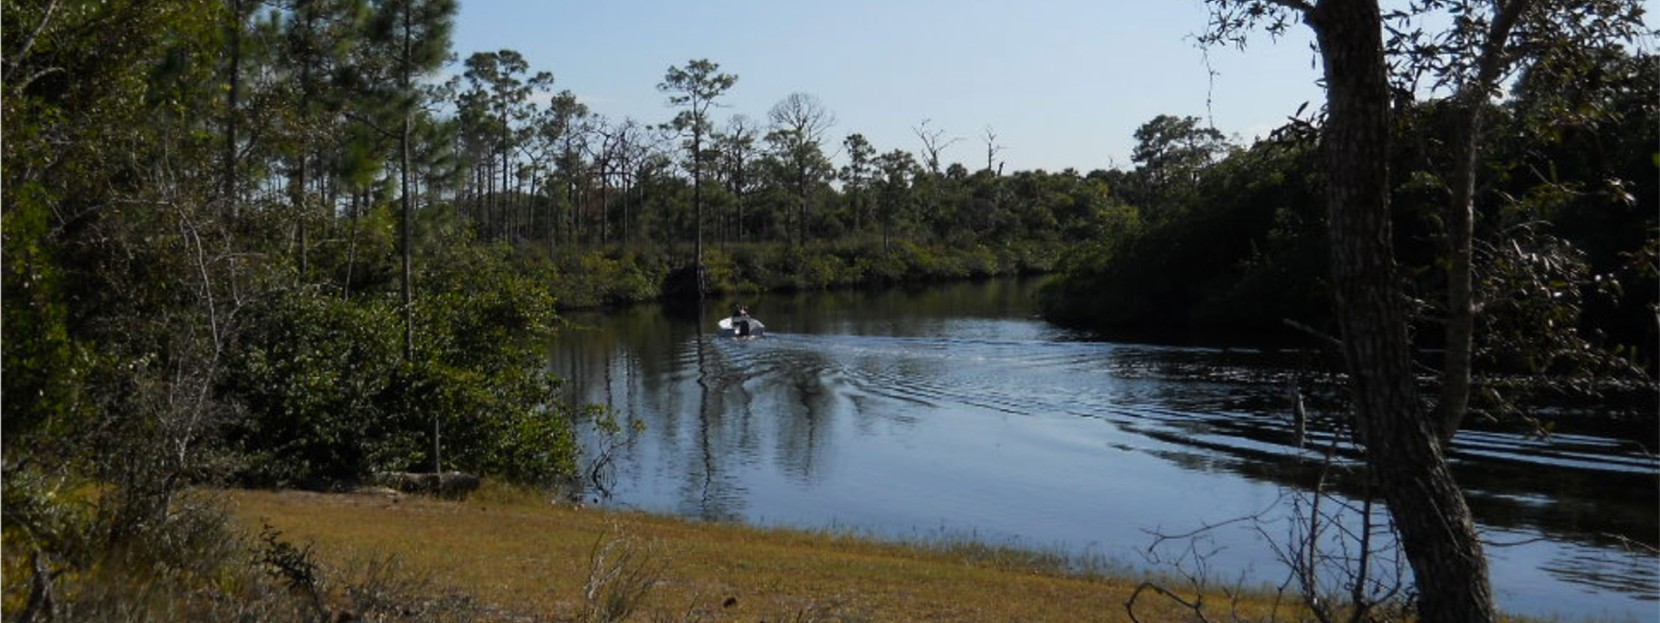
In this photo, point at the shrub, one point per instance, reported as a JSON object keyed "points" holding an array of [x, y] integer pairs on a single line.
{"points": [[314, 375], [329, 398]]}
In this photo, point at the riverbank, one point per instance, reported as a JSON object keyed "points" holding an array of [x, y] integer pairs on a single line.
{"points": [[519, 557], [613, 276]]}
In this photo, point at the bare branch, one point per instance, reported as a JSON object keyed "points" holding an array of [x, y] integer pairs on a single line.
{"points": [[933, 142], [989, 137], [1197, 605], [23, 52]]}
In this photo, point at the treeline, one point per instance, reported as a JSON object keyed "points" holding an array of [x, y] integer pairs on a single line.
{"points": [[263, 242], [217, 217], [273, 224], [558, 174], [1232, 239]]}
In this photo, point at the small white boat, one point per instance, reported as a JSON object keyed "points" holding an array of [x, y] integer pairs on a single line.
{"points": [[734, 329]]}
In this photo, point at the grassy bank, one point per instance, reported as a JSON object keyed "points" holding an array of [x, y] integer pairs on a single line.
{"points": [[529, 559]]}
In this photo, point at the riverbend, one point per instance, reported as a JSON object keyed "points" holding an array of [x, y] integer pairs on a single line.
{"points": [[953, 412]]}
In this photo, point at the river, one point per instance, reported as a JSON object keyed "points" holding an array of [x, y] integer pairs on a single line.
{"points": [[953, 412]]}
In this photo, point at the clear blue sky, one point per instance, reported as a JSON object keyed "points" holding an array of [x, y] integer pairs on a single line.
{"points": [[1063, 83]]}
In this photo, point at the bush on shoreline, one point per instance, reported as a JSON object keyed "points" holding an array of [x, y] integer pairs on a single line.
{"points": [[616, 275]]}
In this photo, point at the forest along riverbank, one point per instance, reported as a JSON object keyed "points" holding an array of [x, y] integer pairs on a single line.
{"points": [[951, 411]]}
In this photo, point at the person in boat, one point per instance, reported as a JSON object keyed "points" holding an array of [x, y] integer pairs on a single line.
{"points": [[740, 321]]}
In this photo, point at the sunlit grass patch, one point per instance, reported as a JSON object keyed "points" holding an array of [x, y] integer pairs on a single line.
{"points": [[524, 552]]}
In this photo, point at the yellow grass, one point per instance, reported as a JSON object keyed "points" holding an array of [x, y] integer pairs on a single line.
{"points": [[524, 555]]}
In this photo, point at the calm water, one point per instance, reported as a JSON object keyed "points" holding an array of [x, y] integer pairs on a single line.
{"points": [[953, 412]]}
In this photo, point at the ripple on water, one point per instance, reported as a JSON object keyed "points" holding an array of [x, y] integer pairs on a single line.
{"points": [[1045, 440]]}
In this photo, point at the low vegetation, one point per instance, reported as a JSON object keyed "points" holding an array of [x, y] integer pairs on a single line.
{"points": [[509, 553], [616, 275], [516, 554]]}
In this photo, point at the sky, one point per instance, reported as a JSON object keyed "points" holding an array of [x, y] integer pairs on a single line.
{"points": [[1061, 83]]}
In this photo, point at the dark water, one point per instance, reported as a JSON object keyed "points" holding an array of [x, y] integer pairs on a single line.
{"points": [[953, 412]]}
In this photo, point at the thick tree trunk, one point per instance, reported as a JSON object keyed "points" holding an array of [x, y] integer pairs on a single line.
{"points": [[1401, 441]]}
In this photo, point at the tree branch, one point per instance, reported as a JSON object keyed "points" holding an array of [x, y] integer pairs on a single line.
{"points": [[1196, 606], [1295, 5], [1312, 332], [29, 43]]}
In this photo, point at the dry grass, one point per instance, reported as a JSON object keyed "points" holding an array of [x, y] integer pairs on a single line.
{"points": [[535, 559]]}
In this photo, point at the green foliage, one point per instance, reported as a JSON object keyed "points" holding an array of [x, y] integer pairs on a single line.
{"points": [[604, 277], [329, 399], [316, 375], [41, 359], [616, 276], [1245, 256], [1245, 246], [479, 370]]}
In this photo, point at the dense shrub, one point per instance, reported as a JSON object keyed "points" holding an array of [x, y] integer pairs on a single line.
{"points": [[329, 397], [315, 375], [598, 278]]}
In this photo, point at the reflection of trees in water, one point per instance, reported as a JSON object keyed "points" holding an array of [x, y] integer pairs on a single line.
{"points": [[1609, 560], [1591, 507], [1226, 411], [1635, 574], [594, 371], [710, 488], [805, 410], [719, 413], [896, 311], [1595, 508]]}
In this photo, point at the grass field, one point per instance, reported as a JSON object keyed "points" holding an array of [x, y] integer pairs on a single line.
{"points": [[524, 558]]}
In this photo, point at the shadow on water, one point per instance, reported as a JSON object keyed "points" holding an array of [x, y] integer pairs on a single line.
{"points": [[909, 410], [1599, 490]]}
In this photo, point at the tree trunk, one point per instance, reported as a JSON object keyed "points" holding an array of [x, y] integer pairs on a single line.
{"points": [[697, 208], [1401, 442], [300, 209], [408, 207], [1454, 401], [233, 91], [604, 205], [505, 206], [801, 209], [351, 249]]}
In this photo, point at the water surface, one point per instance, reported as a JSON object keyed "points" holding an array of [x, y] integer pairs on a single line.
{"points": [[953, 411]]}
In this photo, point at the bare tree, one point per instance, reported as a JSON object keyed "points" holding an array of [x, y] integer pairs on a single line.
{"points": [[989, 137], [933, 142], [630, 148], [604, 153], [799, 122]]}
